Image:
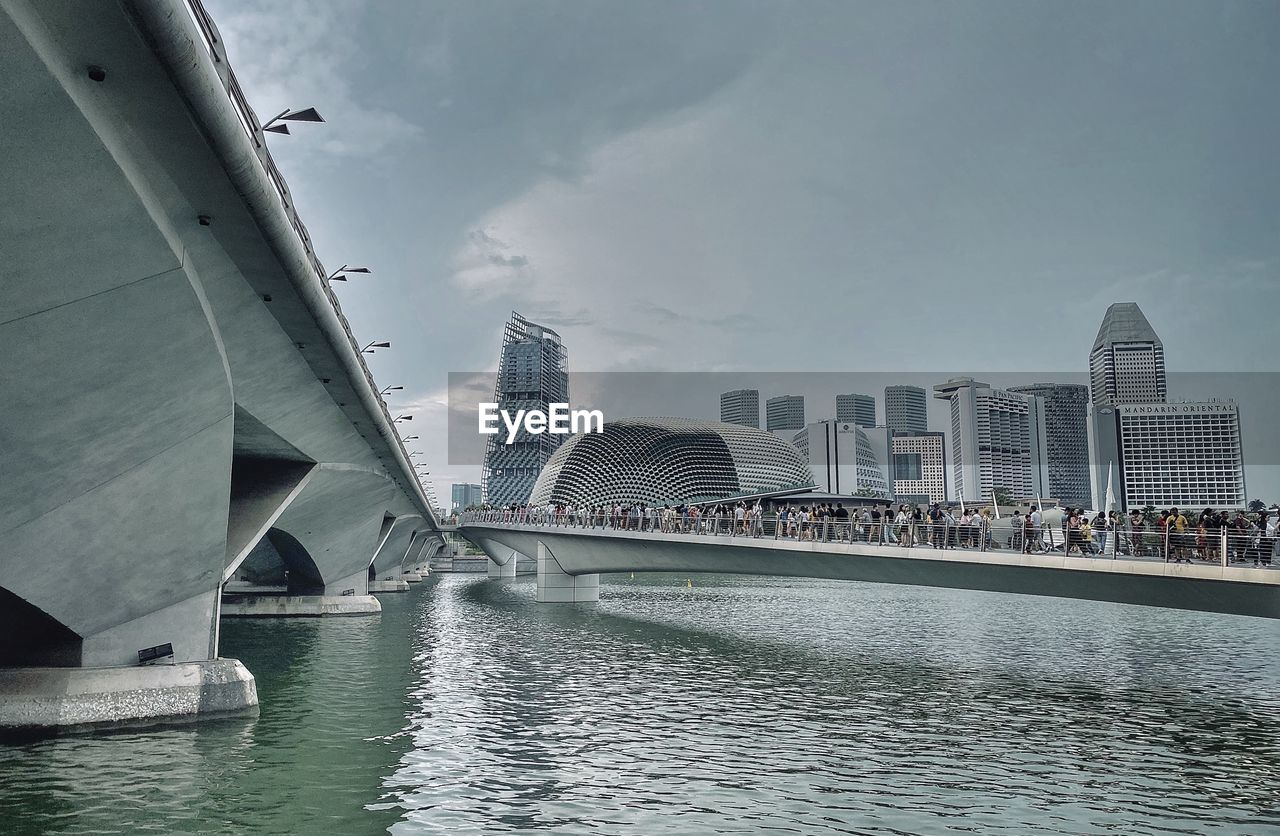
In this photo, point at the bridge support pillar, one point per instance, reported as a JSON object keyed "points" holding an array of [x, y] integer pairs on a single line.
{"points": [[42, 699], [503, 570], [555, 586], [297, 606]]}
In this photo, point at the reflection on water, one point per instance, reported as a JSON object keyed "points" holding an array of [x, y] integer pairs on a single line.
{"points": [[740, 705], [331, 725], [748, 705]]}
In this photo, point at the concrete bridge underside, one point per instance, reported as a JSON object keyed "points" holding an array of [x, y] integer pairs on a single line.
{"points": [[178, 383], [571, 560]]}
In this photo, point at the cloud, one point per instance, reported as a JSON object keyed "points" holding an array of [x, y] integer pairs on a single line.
{"points": [[486, 265], [296, 53]]}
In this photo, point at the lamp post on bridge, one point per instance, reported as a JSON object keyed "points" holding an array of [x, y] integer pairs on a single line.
{"points": [[372, 347], [338, 275], [275, 123]]}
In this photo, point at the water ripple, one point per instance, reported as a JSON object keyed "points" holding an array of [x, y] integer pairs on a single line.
{"points": [[783, 706], [737, 705]]}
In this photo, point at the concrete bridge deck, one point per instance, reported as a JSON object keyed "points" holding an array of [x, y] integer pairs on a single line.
{"points": [[570, 560], [184, 403]]}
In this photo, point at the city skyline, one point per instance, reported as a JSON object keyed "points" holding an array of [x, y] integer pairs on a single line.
{"points": [[1023, 222], [246, 354]]}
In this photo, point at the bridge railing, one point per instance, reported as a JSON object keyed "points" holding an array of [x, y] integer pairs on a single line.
{"points": [[1134, 541]]}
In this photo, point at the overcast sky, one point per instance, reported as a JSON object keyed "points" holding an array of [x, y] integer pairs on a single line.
{"points": [[727, 185]]}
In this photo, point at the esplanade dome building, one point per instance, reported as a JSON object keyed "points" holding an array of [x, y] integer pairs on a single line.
{"points": [[659, 461]]}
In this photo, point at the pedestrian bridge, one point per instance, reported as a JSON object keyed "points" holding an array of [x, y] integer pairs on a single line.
{"points": [[571, 559]]}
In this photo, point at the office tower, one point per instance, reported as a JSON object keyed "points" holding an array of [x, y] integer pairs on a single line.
{"points": [[741, 406], [1126, 364], [532, 374], [906, 409], [1066, 414], [919, 466], [466, 495], [1187, 455], [860, 409], [785, 412], [846, 459], [997, 441]]}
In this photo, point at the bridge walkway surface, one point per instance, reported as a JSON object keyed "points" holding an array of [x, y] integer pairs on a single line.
{"points": [[571, 558]]}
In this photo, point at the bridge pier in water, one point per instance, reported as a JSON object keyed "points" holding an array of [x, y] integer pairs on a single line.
{"points": [[555, 586], [506, 569]]}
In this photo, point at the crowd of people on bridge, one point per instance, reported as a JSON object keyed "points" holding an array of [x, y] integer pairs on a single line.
{"points": [[936, 525], [1171, 534]]}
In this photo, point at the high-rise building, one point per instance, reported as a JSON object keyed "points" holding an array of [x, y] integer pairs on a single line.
{"points": [[532, 374], [1126, 364], [860, 409], [919, 466], [741, 406], [785, 412], [1066, 415], [1184, 455], [997, 441], [906, 409], [466, 495], [845, 459]]}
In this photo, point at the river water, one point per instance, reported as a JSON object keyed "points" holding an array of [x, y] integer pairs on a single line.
{"points": [[735, 705]]}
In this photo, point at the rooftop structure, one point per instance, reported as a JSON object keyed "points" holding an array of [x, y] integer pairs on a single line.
{"points": [[670, 460]]}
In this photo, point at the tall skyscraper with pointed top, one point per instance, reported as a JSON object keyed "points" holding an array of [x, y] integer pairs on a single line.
{"points": [[1126, 364], [1152, 452]]}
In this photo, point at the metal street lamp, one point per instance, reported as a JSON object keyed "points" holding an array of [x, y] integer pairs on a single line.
{"points": [[369, 349], [410, 438], [337, 275], [398, 419], [274, 124], [391, 389]]}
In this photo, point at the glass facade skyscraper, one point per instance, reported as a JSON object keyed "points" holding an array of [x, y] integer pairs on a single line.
{"points": [[1066, 415], [532, 374]]}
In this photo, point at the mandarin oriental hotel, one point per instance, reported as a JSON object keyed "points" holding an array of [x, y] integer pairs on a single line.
{"points": [[1186, 455]]}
